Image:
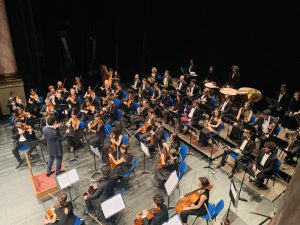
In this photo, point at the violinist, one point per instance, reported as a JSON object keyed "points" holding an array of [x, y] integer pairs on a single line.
{"points": [[48, 107], [95, 133], [61, 90], [144, 89], [159, 211], [33, 102], [105, 89], [118, 92], [62, 212], [89, 93], [78, 86], [11, 102], [148, 125], [122, 162], [163, 103], [174, 111], [127, 106], [197, 208], [24, 116], [155, 138], [103, 191], [115, 142], [87, 110], [53, 95], [110, 111], [73, 132], [142, 113], [168, 163]]}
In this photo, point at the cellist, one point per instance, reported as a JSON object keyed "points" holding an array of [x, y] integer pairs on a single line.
{"points": [[199, 206], [123, 162]]}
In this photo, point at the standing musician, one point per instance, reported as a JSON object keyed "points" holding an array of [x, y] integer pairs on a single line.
{"points": [[159, 213], [167, 164], [211, 74], [181, 85], [174, 111], [87, 110], [95, 133], [122, 164], [244, 151], [54, 147], [33, 103], [264, 165], [115, 142], [73, 132], [62, 212], [142, 113], [199, 207], [234, 77], [104, 190]]}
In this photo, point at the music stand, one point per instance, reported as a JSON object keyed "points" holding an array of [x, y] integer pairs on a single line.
{"points": [[211, 169], [245, 170], [234, 196], [170, 185], [145, 150], [66, 180], [112, 206], [175, 220], [96, 152]]}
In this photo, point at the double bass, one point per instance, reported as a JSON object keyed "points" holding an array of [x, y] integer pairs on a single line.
{"points": [[150, 215]]}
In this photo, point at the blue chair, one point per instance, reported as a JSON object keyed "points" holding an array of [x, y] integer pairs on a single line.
{"points": [[273, 177], [213, 211], [183, 151], [78, 221], [117, 102], [107, 129], [11, 121], [125, 139], [125, 176], [182, 170], [158, 78], [79, 99], [151, 91], [119, 116], [82, 125], [212, 102], [166, 136], [41, 98], [124, 95], [206, 217], [23, 148], [276, 131], [171, 101], [252, 120]]}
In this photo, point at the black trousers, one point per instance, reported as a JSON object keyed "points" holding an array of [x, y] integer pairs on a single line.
{"points": [[50, 163], [260, 178], [239, 159], [15, 151]]}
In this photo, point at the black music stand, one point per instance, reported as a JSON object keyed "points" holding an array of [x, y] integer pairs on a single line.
{"points": [[245, 171], [211, 169], [96, 152], [146, 152]]}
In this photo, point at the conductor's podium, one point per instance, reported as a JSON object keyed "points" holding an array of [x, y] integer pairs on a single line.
{"points": [[43, 186]]}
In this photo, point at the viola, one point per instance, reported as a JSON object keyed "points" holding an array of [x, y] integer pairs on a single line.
{"points": [[49, 214], [150, 215], [94, 123], [144, 128], [162, 158], [92, 189], [112, 163]]}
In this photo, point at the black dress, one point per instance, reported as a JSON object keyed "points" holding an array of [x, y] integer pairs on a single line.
{"points": [[65, 219], [124, 166], [162, 175]]}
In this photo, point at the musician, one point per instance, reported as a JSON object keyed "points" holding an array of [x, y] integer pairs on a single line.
{"points": [[105, 89], [167, 79], [193, 90], [54, 147], [293, 111], [242, 120], [177, 109], [144, 90], [149, 122], [283, 98], [89, 93], [213, 124], [33, 103], [115, 141], [118, 92], [127, 106], [175, 141], [61, 90], [110, 111], [203, 100], [95, 133], [78, 86], [169, 165], [136, 82], [87, 110], [22, 134], [74, 133], [23, 115], [142, 113], [155, 138], [189, 70], [199, 207], [193, 115], [104, 190], [72, 100], [225, 106], [62, 211], [156, 94], [181, 85], [234, 77], [153, 76], [264, 165], [294, 149], [121, 161], [54, 96], [11, 102], [164, 102], [244, 151], [211, 74], [48, 107], [161, 216]]}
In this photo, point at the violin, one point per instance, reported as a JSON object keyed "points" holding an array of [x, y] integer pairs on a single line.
{"points": [[33, 97], [94, 123], [72, 98], [150, 215], [75, 123], [162, 158], [145, 127], [92, 189], [49, 214], [25, 115]]}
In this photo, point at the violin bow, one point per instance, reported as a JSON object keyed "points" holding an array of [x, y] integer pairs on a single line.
{"points": [[95, 87], [64, 82], [95, 219]]}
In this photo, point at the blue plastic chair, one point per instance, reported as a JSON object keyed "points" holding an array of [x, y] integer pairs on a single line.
{"points": [[125, 139], [82, 125], [11, 121], [213, 211], [252, 120], [182, 169], [276, 131], [119, 116], [79, 99], [183, 151], [41, 98], [151, 91], [166, 136], [158, 78], [212, 102], [117, 102], [125, 176], [124, 95], [206, 217], [78, 221], [24, 148], [107, 129]]}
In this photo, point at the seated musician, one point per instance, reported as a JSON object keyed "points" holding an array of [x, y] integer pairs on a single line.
{"points": [[147, 126], [213, 123], [169, 163], [225, 106], [87, 110], [244, 151], [104, 190], [33, 105], [142, 113], [11, 102], [283, 98], [181, 85], [193, 117], [74, 133], [156, 94], [110, 111], [22, 134], [62, 91], [242, 120], [53, 95], [199, 207], [264, 165], [105, 89], [48, 107], [127, 105], [163, 102], [23, 115], [121, 162], [95, 133], [115, 141], [136, 82], [176, 109], [72, 100], [193, 90], [204, 101], [78, 86], [161, 214], [153, 76], [294, 149], [118, 92], [144, 89], [174, 141], [293, 112], [62, 212], [211, 75], [155, 138]]}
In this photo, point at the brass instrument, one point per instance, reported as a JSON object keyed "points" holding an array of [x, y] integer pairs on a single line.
{"points": [[292, 138], [272, 126]]}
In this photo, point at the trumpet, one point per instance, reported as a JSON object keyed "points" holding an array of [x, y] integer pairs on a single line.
{"points": [[292, 138]]}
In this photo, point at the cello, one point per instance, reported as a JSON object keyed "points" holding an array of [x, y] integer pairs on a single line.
{"points": [[163, 157]]}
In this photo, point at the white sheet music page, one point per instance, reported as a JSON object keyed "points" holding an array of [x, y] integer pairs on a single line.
{"points": [[145, 149], [73, 176], [175, 220], [171, 183], [63, 180], [112, 206]]}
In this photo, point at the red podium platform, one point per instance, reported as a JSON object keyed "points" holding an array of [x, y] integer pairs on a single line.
{"points": [[43, 185]]}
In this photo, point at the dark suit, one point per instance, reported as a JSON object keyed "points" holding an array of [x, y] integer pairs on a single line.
{"points": [[259, 122], [244, 156], [196, 91], [159, 218], [233, 81], [227, 108], [266, 170], [183, 86], [54, 147]]}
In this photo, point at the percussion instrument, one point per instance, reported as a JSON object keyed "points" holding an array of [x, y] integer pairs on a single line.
{"points": [[211, 85], [228, 91]]}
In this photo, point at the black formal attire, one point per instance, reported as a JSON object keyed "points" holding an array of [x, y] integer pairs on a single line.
{"points": [[140, 117], [198, 212], [178, 107], [225, 108], [246, 151], [182, 86], [195, 117], [295, 151], [291, 122], [124, 167], [158, 134], [65, 219], [159, 218], [161, 175], [233, 80], [54, 147], [267, 168]]}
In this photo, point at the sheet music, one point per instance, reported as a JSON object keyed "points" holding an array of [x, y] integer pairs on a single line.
{"points": [[175, 220], [145, 149], [171, 183], [112, 206], [95, 150], [63, 180], [73, 176]]}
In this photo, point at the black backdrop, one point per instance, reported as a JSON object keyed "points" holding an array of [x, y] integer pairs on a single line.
{"points": [[133, 36]]}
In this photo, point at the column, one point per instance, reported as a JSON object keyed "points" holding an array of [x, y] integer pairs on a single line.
{"points": [[9, 78]]}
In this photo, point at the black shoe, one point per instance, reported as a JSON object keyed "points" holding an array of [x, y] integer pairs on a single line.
{"points": [[20, 163], [59, 172], [230, 175], [49, 174]]}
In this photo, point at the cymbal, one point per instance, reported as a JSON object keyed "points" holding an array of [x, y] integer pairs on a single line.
{"points": [[193, 74], [244, 90], [229, 91], [211, 85]]}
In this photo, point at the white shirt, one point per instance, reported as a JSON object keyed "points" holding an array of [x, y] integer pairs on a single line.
{"points": [[179, 88], [21, 138], [264, 159], [244, 144], [280, 96], [265, 125], [135, 83], [192, 90], [191, 113], [224, 105]]}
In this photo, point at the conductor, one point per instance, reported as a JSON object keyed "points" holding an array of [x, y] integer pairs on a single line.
{"points": [[54, 147]]}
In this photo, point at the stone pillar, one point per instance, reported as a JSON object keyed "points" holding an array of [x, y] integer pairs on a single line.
{"points": [[9, 78], [288, 212]]}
